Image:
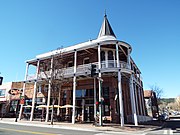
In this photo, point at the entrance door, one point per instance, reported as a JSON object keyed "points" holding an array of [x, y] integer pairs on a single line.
{"points": [[89, 113]]}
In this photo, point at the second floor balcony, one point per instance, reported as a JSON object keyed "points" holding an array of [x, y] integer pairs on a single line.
{"points": [[85, 69]]}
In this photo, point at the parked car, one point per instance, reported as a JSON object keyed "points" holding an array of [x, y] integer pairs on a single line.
{"points": [[163, 117]]}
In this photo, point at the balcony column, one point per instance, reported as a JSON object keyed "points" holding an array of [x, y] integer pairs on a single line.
{"points": [[59, 101], [133, 103], [140, 100], [114, 58], [100, 85], [129, 59], [83, 103], [119, 87], [136, 98], [142, 97], [94, 100], [49, 90], [34, 93], [74, 87], [106, 59], [24, 86]]}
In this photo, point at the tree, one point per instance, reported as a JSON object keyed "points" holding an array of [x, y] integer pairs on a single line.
{"points": [[54, 76], [158, 91], [177, 100]]}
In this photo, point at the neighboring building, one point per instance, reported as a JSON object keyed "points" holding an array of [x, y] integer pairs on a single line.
{"points": [[8, 102], [4, 98], [92, 72], [151, 103]]}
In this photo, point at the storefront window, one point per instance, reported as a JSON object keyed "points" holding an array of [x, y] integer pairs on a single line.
{"points": [[2, 92], [106, 102]]}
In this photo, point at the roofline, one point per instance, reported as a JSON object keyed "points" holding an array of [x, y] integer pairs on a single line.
{"points": [[81, 46]]}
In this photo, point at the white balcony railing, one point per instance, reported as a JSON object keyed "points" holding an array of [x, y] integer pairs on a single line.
{"points": [[85, 69]]}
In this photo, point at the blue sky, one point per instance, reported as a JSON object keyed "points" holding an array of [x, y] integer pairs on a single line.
{"points": [[152, 27]]}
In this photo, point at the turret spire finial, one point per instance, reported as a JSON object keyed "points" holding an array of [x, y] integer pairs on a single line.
{"points": [[105, 13], [106, 29]]}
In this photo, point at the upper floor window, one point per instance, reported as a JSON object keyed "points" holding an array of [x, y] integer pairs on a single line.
{"points": [[102, 56], [70, 64], [39, 89], [46, 87], [86, 61], [110, 55]]}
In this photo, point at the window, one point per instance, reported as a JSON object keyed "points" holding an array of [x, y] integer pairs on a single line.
{"points": [[106, 105], [13, 106], [70, 64], [102, 56], [39, 89], [89, 92], [110, 55], [103, 64], [2, 92], [78, 93], [86, 61], [46, 87], [110, 59]]}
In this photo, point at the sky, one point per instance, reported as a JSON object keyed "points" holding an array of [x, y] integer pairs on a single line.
{"points": [[151, 27]]}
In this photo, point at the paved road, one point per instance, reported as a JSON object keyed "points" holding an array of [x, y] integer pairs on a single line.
{"points": [[169, 127], [10, 129]]}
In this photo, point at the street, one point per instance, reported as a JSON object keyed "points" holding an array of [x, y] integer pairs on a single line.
{"points": [[170, 127], [10, 129]]}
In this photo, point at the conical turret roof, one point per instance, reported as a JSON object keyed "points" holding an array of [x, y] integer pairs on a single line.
{"points": [[106, 29]]}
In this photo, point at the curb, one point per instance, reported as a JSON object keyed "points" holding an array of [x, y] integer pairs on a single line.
{"points": [[108, 130], [50, 126]]}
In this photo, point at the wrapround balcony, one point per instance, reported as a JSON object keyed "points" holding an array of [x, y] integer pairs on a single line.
{"points": [[85, 69]]}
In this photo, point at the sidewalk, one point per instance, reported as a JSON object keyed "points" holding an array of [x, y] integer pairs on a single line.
{"points": [[111, 127]]}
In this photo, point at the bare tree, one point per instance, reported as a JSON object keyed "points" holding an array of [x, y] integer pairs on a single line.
{"points": [[158, 91], [54, 77], [177, 101]]}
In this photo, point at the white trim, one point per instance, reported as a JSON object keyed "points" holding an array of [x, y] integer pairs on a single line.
{"points": [[34, 93], [49, 91], [133, 102], [74, 88], [121, 108], [99, 81]]}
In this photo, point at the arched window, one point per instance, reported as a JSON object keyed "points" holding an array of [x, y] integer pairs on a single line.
{"points": [[110, 59], [102, 56], [110, 55], [103, 59]]}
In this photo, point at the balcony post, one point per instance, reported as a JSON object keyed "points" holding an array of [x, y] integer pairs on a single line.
{"points": [[136, 98], [106, 59], [34, 93], [24, 86], [94, 100], [142, 96], [114, 58], [140, 100], [133, 103], [49, 90], [119, 87], [129, 59], [74, 87], [100, 86]]}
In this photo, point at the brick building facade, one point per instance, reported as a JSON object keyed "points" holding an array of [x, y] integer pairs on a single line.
{"points": [[95, 78]]}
